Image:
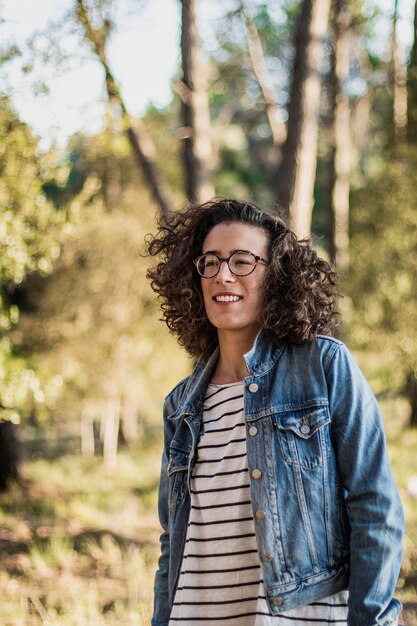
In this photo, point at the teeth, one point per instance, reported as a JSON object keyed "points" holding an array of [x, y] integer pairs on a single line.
{"points": [[227, 298]]}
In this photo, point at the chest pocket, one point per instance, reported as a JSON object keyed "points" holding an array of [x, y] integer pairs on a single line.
{"points": [[177, 470], [303, 434]]}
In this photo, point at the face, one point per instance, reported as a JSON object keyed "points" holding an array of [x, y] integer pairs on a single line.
{"points": [[239, 314]]}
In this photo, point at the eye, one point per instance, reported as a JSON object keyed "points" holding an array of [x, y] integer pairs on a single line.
{"points": [[242, 259]]}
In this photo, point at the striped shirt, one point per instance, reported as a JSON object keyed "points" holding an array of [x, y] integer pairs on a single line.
{"points": [[221, 580]]}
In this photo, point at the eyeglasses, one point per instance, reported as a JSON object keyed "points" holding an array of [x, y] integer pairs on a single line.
{"points": [[240, 263]]}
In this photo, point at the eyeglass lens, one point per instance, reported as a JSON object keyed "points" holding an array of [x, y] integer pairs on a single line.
{"points": [[240, 263]]}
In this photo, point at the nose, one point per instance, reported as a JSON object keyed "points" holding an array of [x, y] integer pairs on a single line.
{"points": [[224, 274]]}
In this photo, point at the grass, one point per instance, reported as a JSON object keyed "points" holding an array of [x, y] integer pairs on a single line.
{"points": [[79, 543]]}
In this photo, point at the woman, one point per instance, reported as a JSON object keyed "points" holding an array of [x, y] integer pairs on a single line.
{"points": [[276, 496]]}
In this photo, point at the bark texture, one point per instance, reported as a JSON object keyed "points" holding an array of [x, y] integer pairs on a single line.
{"points": [[296, 174], [341, 140], [197, 149], [399, 79], [412, 86]]}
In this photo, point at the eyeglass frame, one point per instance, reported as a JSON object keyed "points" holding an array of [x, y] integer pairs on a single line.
{"points": [[227, 259]]}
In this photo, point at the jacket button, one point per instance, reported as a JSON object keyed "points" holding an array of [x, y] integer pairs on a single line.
{"points": [[277, 601], [305, 429], [253, 387], [253, 431], [256, 474], [267, 558], [260, 514]]}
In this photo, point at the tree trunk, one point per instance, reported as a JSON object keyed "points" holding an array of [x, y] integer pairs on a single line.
{"points": [[111, 430], [87, 429], [141, 143], [197, 149], [399, 78], [412, 87], [112, 185], [9, 454], [260, 69], [341, 144], [411, 389], [114, 392], [360, 129], [129, 423], [296, 173]]}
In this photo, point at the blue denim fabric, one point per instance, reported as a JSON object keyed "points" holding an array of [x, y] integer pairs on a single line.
{"points": [[333, 519]]}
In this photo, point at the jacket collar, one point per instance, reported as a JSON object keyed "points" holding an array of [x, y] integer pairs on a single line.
{"points": [[264, 353], [260, 358]]}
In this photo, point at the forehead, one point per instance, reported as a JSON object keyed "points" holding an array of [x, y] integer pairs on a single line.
{"points": [[229, 236]]}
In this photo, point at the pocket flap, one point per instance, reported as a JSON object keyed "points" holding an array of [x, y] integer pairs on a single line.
{"points": [[303, 421]]}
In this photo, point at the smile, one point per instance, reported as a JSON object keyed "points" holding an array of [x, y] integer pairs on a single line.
{"points": [[227, 298]]}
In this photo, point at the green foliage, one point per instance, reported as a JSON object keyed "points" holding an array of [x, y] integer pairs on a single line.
{"points": [[28, 242], [383, 270], [26, 239], [90, 328], [18, 382]]}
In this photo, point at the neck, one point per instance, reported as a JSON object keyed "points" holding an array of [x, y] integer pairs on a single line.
{"points": [[231, 366]]}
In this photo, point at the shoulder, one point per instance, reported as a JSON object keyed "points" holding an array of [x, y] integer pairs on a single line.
{"points": [[324, 352], [341, 366], [329, 347], [323, 347], [337, 354], [326, 340]]}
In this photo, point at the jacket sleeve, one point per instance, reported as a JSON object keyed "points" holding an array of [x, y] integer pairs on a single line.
{"points": [[372, 500], [161, 594]]}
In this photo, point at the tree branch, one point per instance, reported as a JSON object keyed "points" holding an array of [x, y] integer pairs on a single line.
{"points": [[141, 143], [279, 131]]}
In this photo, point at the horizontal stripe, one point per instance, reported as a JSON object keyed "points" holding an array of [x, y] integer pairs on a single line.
{"points": [[237, 615], [231, 456], [213, 406], [218, 489], [281, 616], [222, 602], [224, 430], [213, 394], [245, 469], [254, 582], [217, 419], [220, 571], [222, 445], [226, 521], [221, 538], [219, 506], [318, 620], [220, 554]]}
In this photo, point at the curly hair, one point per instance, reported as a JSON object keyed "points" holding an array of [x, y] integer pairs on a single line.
{"points": [[299, 292]]}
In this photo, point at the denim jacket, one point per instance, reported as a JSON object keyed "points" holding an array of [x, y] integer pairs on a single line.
{"points": [[318, 468]]}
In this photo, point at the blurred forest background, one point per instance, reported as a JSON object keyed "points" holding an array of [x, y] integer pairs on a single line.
{"points": [[308, 106]]}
